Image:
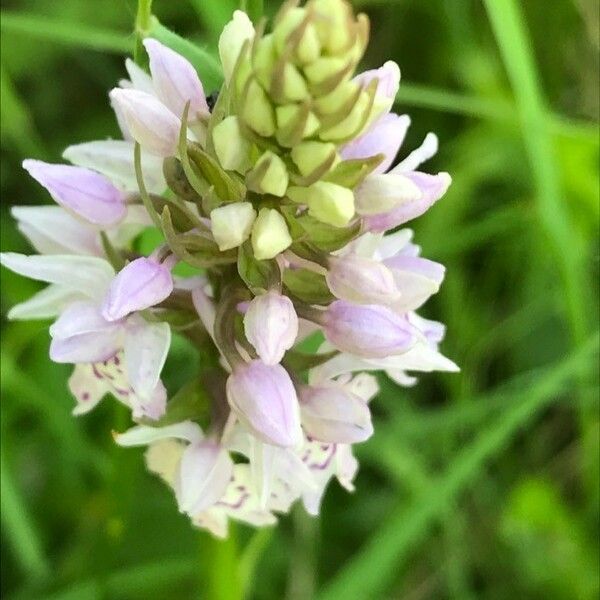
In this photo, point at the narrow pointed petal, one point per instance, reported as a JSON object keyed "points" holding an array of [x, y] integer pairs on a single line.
{"points": [[424, 152], [141, 284], [52, 230], [205, 472], [46, 304], [148, 120], [142, 435], [83, 192], [87, 274], [175, 81], [114, 158], [139, 79], [146, 348]]}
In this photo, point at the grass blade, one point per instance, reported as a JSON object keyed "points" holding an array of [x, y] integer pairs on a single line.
{"points": [[18, 527], [509, 28], [71, 34], [370, 572]]}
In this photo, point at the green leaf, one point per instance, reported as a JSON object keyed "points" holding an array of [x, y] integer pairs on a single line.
{"points": [[308, 286], [509, 28], [18, 526], [258, 275], [204, 62], [61, 32], [350, 173], [214, 15], [227, 187]]}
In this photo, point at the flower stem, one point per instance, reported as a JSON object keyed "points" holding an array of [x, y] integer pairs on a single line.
{"points": [[143, 21]]}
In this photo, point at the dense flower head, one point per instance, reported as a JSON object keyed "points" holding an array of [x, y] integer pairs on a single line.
{"points": [[283, 199]]}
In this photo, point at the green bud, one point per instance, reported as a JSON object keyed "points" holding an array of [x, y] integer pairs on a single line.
{"points": [[233, 37], [231, 146], [311, 156], [270, 234], [264, 60], [334, 24], [231, 224], [257, 110], [295, 122], [327, 202], [360, 116], [324, 68], [269, 175]]}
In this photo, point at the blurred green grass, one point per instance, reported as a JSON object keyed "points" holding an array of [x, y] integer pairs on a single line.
{"points": [[478, 485]]}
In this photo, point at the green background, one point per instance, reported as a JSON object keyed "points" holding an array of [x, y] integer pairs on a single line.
{"points": [[482, 484]]}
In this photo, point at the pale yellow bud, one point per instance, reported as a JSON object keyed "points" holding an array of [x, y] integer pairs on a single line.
{"points": [[338, 98], [231, 146], [327, 202], [269, 175], [270, 234], [353, 123], [258, 112], [231, 224], [310, 156], [334, 24], [264, 60], [294, 85], [325, 67], [233, 37], [288, 115]]}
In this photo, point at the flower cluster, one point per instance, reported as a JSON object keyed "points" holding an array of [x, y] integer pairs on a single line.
{"points": [[278, 199]]}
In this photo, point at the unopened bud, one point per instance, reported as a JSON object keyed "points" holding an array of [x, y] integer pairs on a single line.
{"points": [[231, 224], [371, 331], [327, 202], [270, 234], [264, 399], [231, 146], [311, 156], [271, 326], [233, 37], [269, 176]]}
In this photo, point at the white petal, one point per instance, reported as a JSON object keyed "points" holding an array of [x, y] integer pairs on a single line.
{"points": [[142, 435], [140, 80], [114, 158], [146, 349], [51, 230], [424, 152], [46, 304], [204, 475], [86, 274]]}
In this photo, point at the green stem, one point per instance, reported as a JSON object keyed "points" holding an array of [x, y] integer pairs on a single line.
{"points": [[219, 571], [143, 22]]}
